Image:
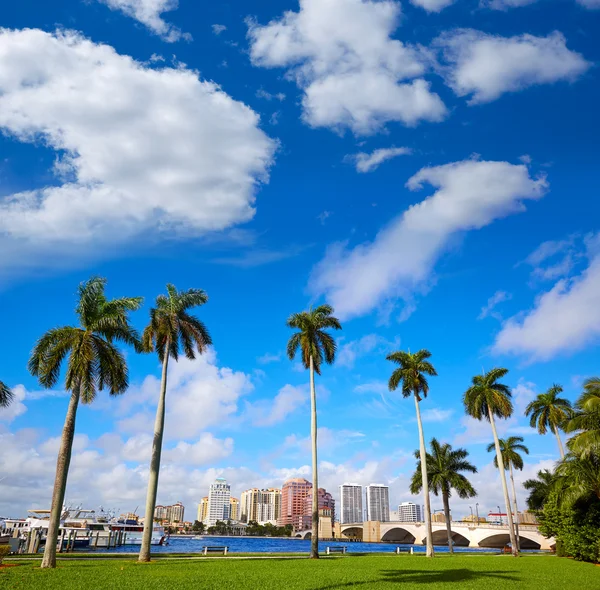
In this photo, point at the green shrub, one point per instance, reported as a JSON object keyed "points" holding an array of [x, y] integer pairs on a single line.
{"points": [[4, 551]]}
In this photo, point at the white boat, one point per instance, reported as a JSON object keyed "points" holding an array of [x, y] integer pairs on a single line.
{"points": [[131, 531]]}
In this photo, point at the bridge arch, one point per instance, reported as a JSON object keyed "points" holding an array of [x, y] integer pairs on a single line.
{"points": [[501, 540], [352, 532], [440, 537], [399, 535]]}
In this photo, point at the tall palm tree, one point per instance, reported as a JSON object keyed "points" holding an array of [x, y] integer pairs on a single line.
{"points": [[412, 373], [509, 450], [539, 489], [171, 330], [585, 422], [6, 395], [444, 466], [487, 398], [94, 363], [315, 345], [550, 411]]}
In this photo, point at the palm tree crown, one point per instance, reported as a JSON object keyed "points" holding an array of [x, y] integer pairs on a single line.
{"points": [[548, 410], [312, 339], [411, 373], [539, 489], [6, 395], [578, 478], [172, 328], [444, 466], [510, 448], [487, 395], [94, 362], [585, 422]]}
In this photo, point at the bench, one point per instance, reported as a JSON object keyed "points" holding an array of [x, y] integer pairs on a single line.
{"points": [[214, 549], [407, 550], [331, 550]]}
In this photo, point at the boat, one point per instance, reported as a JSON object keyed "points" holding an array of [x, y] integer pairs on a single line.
{"points": [[130, 531]]}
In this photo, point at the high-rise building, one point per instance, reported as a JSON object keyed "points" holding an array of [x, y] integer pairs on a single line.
{"points": [[351, 509], [203, 509], [261, 505], [326, 505], [293, 501], [219, 501], [160, 512], [234, 509], [175, 512], [410, 512], [378, 502]]}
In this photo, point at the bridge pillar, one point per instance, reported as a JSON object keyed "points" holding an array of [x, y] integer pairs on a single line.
{"points": [[371, 531]]}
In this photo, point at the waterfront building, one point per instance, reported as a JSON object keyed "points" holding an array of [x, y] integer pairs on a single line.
{"points": [[175, 512], [293, 503], [160, 512], [325, 502], [219, 502], [378, 502], [351, 509], [234, 509], [410, 512], [527, 517], [439, 517], [261, 506], [497, 518], [203, 509]]}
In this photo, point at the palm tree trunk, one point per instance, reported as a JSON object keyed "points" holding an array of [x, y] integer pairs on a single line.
{"points": [[60, 481], [448, 521], [425, 481], [512, 481], [159, 426], [314, 538], [560, 445], [511, 528]]}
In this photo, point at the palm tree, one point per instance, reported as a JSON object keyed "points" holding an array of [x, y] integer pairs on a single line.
{"points": [[94, 363], [586, 420], [171, 330], [486, 399], [578, 478], [412, 373], [509, 450], [444, 465], [6, 395], [550, 411], [539, 489], [316, 345]]}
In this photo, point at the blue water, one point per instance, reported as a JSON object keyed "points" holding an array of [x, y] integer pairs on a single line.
{"points": [[281, 545]]}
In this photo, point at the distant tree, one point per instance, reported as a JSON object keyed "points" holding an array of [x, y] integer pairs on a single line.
{"points": [[6, 395], [198, 527], [171, 330], [316, 346], [487, 398], [444, 466], [539, 489], [94, 363], [585, 424], [549, 411], [412, 374]]}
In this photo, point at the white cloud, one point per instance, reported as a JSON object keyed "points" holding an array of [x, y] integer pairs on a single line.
{"points": [[378, 387], [493, 301], [17, 407], [148, 12], [353, 74], [328, 440], [268, 358], [140, 149], [218, 29], [205, 451], [368, 162], [487, 66], [436, 415], [353, 350], [506, 4], [262, 93], [553, 259], [433, 5], [470, 195], [562, 321], [276, 410]]}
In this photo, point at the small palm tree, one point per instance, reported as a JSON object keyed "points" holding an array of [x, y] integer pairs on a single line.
{"points": [[509, 450], [585, 422], [6, 395], [578, 479], [412, 373], [94, 363], [171, 330], [539, 489], [444, 466], [550, 411], [485, 399], [315, 345]]}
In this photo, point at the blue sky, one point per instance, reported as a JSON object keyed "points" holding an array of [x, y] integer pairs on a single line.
{"points": [[427, 168]]}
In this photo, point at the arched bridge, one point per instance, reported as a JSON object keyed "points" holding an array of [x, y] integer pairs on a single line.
{"points": [[463, 534]]}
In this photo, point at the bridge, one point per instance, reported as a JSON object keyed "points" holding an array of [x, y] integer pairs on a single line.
{"points": [[464, 534]]}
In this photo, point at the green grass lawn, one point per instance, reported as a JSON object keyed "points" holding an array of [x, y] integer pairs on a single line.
{"points": [[376, 572]]}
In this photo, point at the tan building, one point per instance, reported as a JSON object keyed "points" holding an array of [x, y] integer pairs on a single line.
{"points": [[203, 509], [325, 523], [260, 505], [175, 512], [438, 517], [234, 509], [472, 518], [527, 517]]}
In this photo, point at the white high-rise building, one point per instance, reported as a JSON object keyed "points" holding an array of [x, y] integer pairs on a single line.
{"points": [[351, 506], [219, 502], [378, 502], [410, 512]]}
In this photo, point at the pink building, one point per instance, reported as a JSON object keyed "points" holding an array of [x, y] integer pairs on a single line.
{"points": [[326, 502], [293, 502]]}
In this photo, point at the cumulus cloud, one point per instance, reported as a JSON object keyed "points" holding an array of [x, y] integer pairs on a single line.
{"points": [[489, 309], [352, 73], [554, 259], [506, 4], [432, 5], [276, 410], [17, 407], [148, 12], [366, 162], [486, 66], [562, 321], [218, 29], [139, 149], [470, 195]]}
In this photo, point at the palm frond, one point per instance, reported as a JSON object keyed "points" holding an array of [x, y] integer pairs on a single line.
{"points": [[6, 395]]}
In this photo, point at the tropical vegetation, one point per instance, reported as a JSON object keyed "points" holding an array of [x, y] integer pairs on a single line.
{"points": [[316, 346], [6, 395], [412, 374], [444, 466]]}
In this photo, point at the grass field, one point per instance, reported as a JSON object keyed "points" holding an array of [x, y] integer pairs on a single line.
{"points": [[368, 572]]}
